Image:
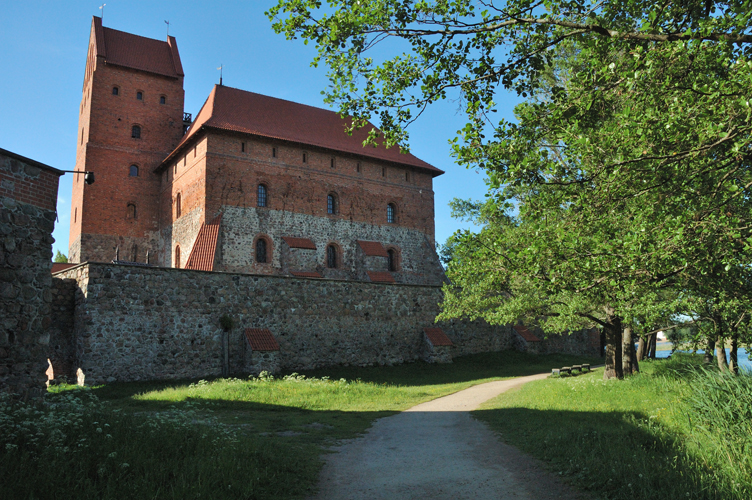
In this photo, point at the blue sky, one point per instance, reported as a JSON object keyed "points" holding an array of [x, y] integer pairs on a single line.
{"points": [[44, 54]]}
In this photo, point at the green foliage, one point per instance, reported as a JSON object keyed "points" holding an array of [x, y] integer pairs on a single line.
{"points": [[60, 257], [227, 322]]}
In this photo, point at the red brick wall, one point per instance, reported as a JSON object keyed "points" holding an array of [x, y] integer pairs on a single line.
{"points": [[108, 150], [28, 184]]}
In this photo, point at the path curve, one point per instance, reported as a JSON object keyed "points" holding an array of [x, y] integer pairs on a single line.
{"points": [[437, 451]]}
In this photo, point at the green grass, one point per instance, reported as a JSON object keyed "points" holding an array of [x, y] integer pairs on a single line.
{"points": [[233, 438], [644, 437]]}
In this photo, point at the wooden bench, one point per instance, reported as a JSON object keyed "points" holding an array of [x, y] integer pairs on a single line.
{"points": [[566, 369], [577, 367], [586, 367], [556, 372]]}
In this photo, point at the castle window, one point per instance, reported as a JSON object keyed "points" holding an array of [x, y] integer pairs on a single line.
{"points": [[357, 167], [242, 147], [82, 136], [115, 91], [261, 200], [391, 213], [331, 162], [305, 157], [131, 212], [75, 214], [177, 256], [383, 171], [392, 259], [331, 204], [274, 152], [133, 172], [162, 100], [261, 251], [136, 132], [178, 208], [331, 257], [140, 96], [407, 176], [194, 151]]}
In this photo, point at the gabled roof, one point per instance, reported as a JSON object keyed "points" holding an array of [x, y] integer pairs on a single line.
{"points": [[261, 339], [373, 248], [305, 243], [237, 110], [202, 253], [380, 276], [436, 336], [137, 52], [526, 334]]}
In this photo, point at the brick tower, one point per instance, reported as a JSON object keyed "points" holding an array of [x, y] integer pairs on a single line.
{"points": [[131, 118]]}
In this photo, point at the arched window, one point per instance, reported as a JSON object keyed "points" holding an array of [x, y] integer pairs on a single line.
{"points": [[392, 259], [136, 132], [133, 172], [115, 91], [140, 96], [391, 213], [162, 100], [261, 251], [261, 200], [178, 207], [331, 257], [331, 204], [131, 212], [177, 256]]}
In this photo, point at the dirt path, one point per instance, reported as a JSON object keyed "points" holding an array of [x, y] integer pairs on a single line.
{"points": [[436, 450]]}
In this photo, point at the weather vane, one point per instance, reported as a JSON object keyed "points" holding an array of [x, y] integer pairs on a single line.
{"points": [[168, 28], [101, 7], [220, 73]]}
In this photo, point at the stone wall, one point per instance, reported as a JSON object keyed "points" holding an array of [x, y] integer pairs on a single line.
{"points": [[28, 192], [61, 348]]}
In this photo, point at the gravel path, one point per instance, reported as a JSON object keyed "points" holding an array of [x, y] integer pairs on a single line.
{"points": [[436, 450]]}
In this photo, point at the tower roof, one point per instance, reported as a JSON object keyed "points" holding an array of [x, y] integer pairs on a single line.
{"points": [[137, 52], [237, 110]]}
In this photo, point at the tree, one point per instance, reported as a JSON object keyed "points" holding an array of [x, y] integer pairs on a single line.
{"points": [[60, 257], [628, 166]]}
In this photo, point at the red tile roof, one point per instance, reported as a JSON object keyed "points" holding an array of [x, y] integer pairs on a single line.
{"points": [[202, 253], [237, 110], [293, 242], [137, 52], [526, 334], [380, 276], [373, 248], [306, 274], [261, 339], [437, 336], [61, 266]]}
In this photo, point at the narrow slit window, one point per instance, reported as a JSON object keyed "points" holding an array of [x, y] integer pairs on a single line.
{"points": [[407, 176], [178, 206], [331, 162], [261, 251], [305, 157], [262, 198], [177, 256], [242, 147], [383, 171], [75, 214], [331, 257], [357, 167], [392, 255], [274, 152]]}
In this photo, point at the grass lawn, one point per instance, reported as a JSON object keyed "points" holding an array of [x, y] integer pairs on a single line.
{"points": [[224, 438], [634, 439]]}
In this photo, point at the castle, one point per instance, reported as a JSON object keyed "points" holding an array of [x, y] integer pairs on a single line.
{"points": [[254, 184]]}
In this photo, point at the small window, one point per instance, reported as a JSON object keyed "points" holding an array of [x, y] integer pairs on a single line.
{"points": [[331, 204], [178, 207], [175, 169], [177, 256], [136, 132], [162, 100], [383, 171], [115, 91], [75, 214], [140, 96], [407, 176], [194, 151], [261, 200], [357, 167], [305, 157], [242, 147], [331, 162], [391, 213], [131, 212], [392, 256], [261, 251], [133, 172], [274, 152], [82, 136], [331, 257]]}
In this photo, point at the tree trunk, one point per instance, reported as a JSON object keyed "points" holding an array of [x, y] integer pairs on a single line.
{"points": [[721, 354], [733, 355], [708, 358], [641, 349], [628, 357], [614, 367], [653, 344]]}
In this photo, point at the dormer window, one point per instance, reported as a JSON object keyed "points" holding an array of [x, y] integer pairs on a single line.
{"points": [[139, 96]]}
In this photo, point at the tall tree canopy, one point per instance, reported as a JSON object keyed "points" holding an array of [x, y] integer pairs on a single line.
{"points": [[626, 173]]}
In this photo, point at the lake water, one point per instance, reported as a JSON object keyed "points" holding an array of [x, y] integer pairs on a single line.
{"points": [[742, 354]]}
